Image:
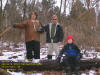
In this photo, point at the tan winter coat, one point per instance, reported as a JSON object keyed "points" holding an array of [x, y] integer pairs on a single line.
{"points": [[30, 30]]}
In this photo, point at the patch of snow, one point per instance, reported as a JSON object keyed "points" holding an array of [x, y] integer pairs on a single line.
{"points": [[16, 73], [83, 74], [20, 55], [98, 55], [92, 72], [5, 44], [20, 73]]}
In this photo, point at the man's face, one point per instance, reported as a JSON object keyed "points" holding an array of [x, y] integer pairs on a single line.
{"points": [[54, 19]]}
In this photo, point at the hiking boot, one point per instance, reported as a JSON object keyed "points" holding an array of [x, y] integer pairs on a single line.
{"points": [[49, 56]]}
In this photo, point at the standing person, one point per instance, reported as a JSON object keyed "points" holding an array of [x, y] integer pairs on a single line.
{"points": [[72, 56], [54, 36], [32, 36]]}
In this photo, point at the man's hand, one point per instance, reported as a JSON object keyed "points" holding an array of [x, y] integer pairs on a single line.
{"points": [[59, 43]]}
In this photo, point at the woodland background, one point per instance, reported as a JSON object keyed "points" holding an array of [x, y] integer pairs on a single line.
{"points": [[83, 21]]}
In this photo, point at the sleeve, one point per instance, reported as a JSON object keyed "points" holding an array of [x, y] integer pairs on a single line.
{"points": [[22, 25], [61, 34], [38, 23], [76, 47], [62, 51], [40, 28], [43, 28]]}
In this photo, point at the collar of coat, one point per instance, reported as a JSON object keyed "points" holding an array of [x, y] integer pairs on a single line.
{"points": [[50, 25]]}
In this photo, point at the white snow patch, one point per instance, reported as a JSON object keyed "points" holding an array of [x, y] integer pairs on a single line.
{"points": [[16, 73], [20, 73], [83, 74], [92, 72]]}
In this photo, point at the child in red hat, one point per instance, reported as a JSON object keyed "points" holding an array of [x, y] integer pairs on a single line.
{"points": [[72, 56]]}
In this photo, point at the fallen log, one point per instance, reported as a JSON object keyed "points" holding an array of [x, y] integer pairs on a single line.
{"points": [[44, 65]]}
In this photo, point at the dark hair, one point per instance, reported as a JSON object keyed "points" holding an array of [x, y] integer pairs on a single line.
{"points": [[34, 13]]}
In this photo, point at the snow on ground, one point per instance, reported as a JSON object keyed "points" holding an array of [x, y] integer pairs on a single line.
{"points": [[20, 73], [17, 52], [16, 73], [91, 72]]}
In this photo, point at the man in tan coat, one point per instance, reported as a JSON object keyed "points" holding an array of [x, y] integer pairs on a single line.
{"points": [[32, 36]]}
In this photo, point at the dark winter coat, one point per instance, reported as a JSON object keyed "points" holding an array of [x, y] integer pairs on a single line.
{"points": [[65, 50], [58, 34]]}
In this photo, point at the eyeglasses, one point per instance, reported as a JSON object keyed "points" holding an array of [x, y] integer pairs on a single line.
{"points": [[54, 19]]}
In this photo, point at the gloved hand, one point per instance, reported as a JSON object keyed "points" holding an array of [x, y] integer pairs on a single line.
{"points": [[58, 59], [14, 25], [40, 29]]}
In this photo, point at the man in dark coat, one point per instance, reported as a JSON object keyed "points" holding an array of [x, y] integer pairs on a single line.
{"points": [[54, 36]]}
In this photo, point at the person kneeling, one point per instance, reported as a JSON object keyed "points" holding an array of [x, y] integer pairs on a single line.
{"points": [[72, 56]]}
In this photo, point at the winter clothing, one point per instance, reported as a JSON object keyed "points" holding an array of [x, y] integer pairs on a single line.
{"points": [[49, 56], [54, 34], [32, 38], [72, 60], [70, 50], [33, 49], [72, 56], [58, 34], [14, 25], [53, 28], [69, 37], [30, 30]]}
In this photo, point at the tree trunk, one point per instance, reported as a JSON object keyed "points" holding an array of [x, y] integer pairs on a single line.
{"points": [[88, 4], [25, 5], [65, 8], [60, 9], [1, 6], [1, 15], [33, 4]]}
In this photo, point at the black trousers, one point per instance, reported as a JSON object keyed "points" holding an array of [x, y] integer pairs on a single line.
{"points": [[33, 49], [74, 60]]}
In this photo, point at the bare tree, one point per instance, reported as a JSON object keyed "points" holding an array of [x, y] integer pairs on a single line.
{"points": [[31, 6], [1, 5], [33, 3], [94, 2], [65, 7], [60, 8], [1, 13], [25, 5], [0, 20], [97, 14], [88, 3]]}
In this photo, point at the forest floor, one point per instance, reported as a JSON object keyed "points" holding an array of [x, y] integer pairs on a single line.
{"points": [[17, 52]]}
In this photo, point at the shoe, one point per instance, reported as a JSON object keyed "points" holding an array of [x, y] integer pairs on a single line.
{"points": [[68, 71], [36, 60], [49, 56]]}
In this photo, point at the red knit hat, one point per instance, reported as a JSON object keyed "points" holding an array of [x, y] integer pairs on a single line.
{"points": [[69, 37]]}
